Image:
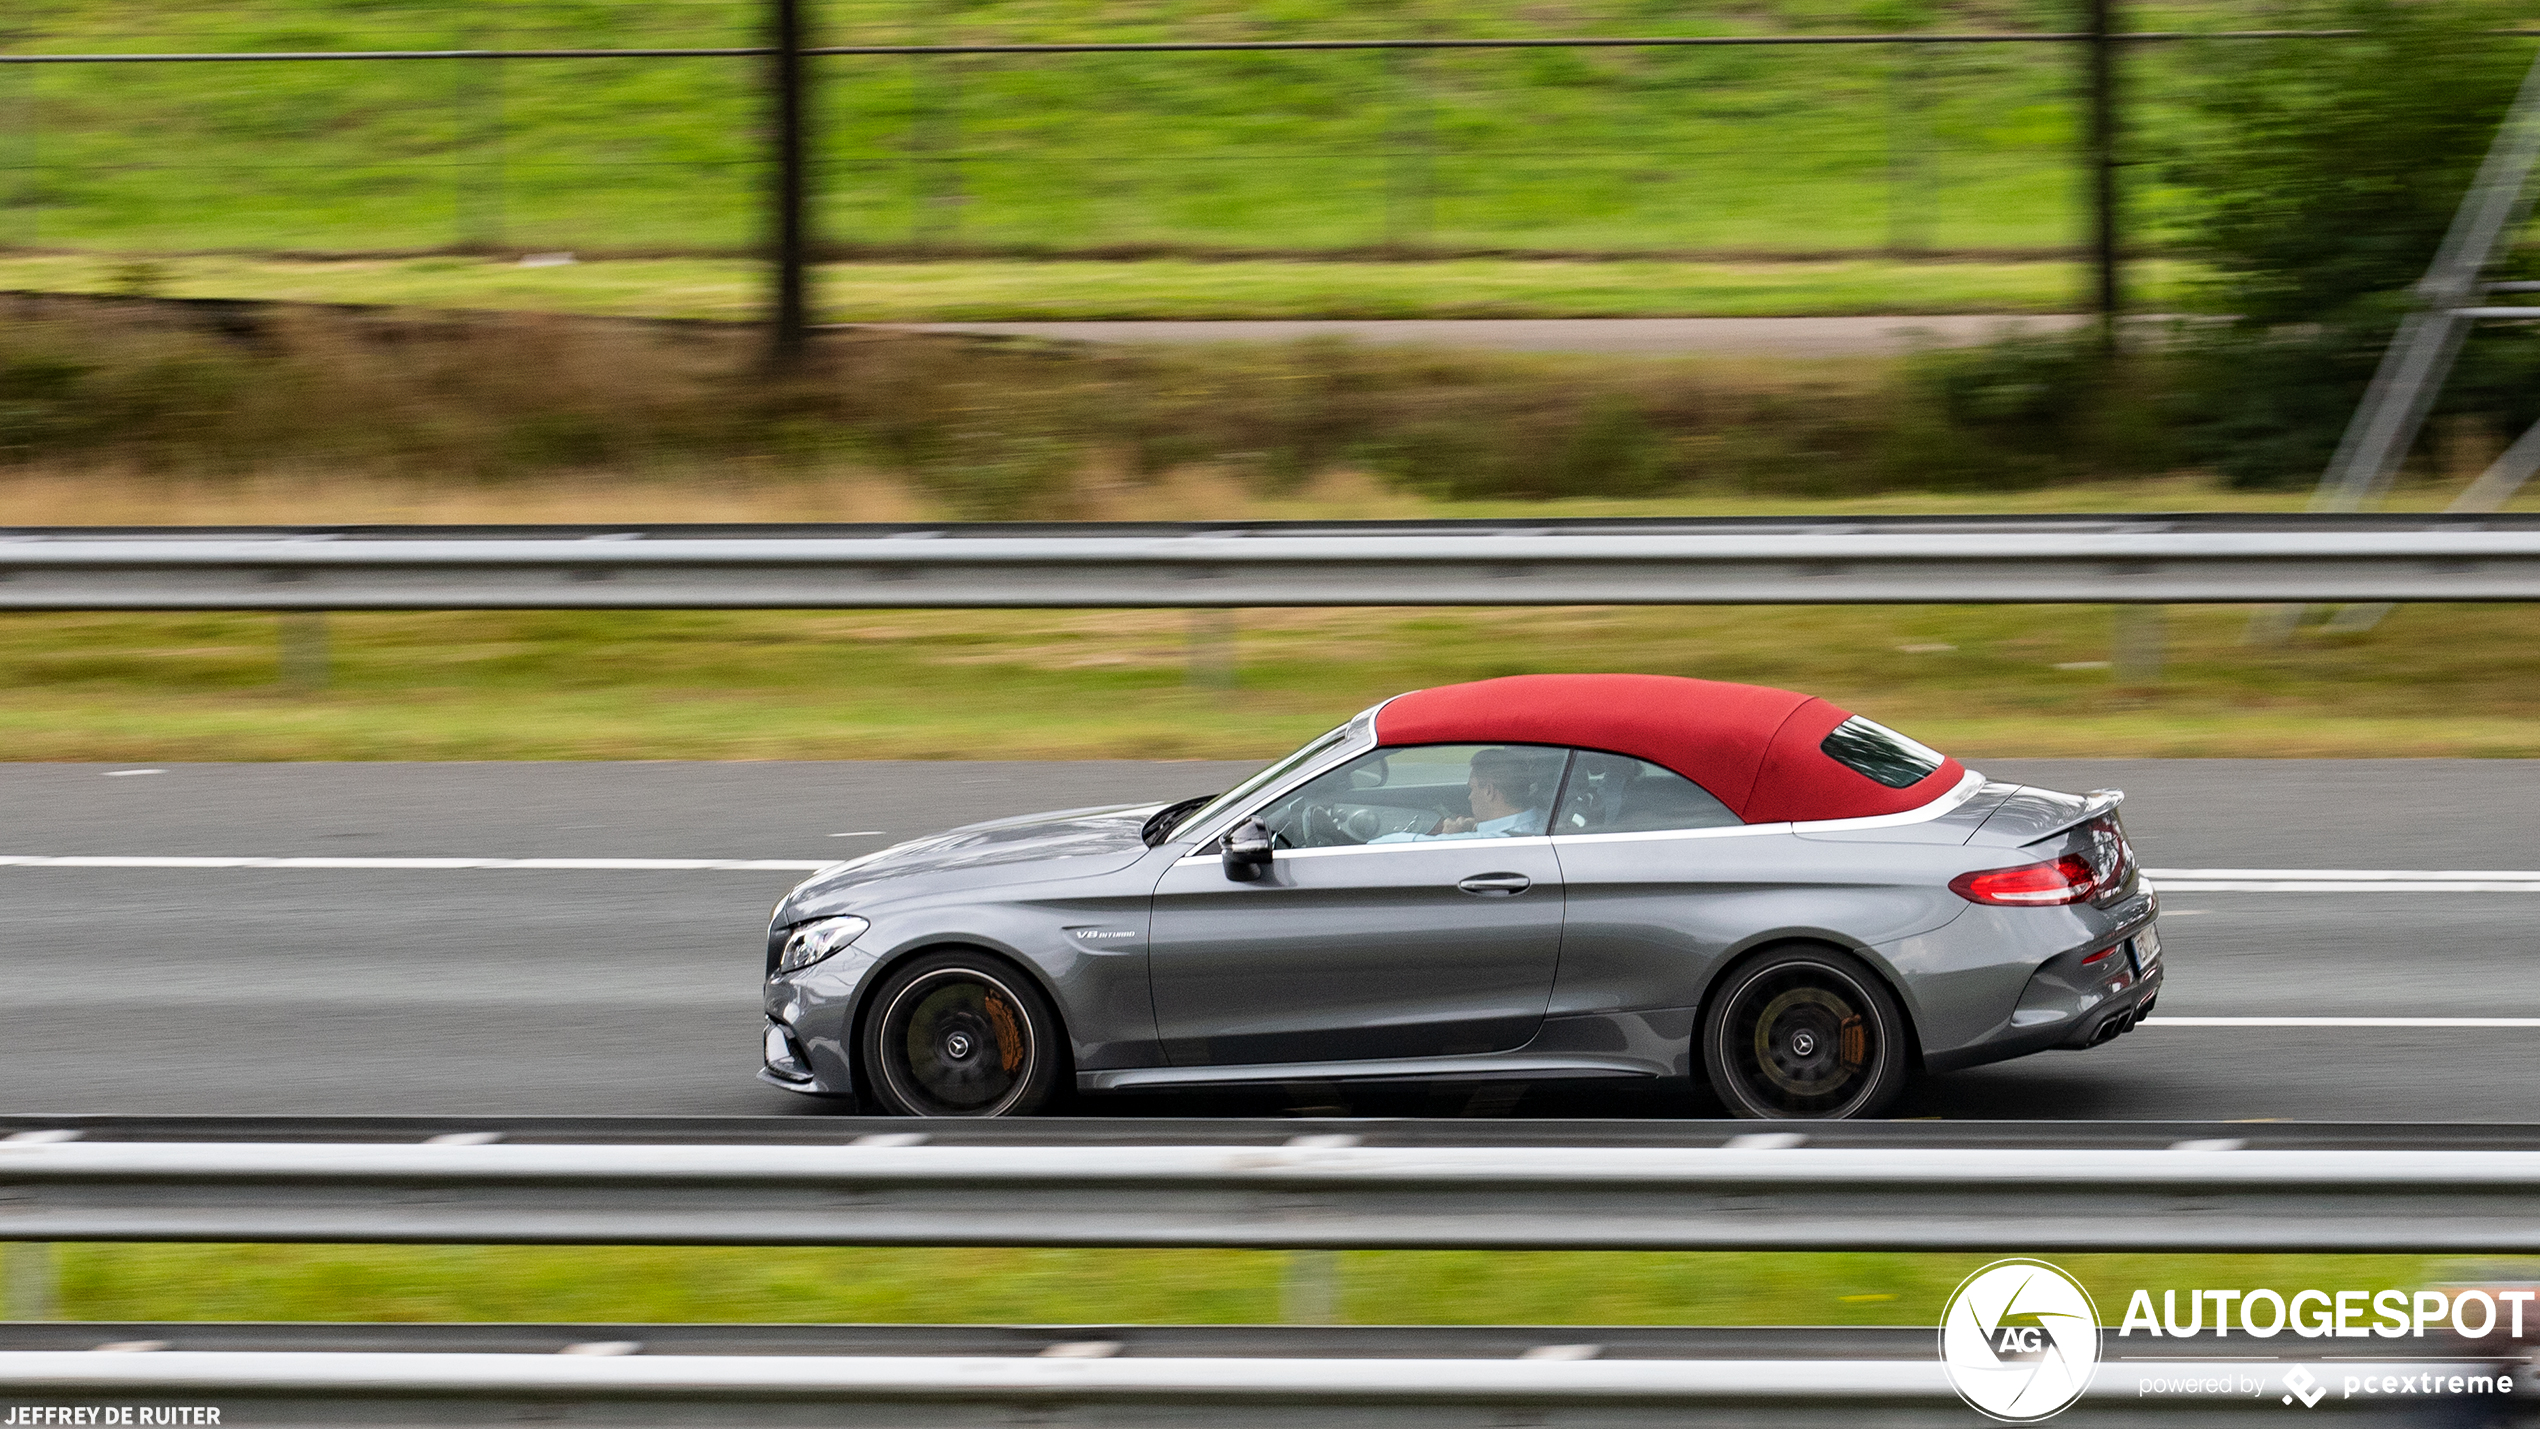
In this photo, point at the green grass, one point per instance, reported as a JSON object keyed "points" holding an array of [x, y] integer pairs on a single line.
{"points": [[1783, 151], [1982, 682], [998, 1286], [1013, 290]]}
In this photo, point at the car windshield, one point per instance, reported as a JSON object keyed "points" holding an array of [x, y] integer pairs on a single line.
{"points": [[1265, 778]]}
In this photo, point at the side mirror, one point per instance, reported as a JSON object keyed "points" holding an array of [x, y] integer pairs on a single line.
{"points": [[1247, 851]]}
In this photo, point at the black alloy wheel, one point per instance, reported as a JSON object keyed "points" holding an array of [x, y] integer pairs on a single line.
{"points": [[1804, 1032], [961, 1034]]}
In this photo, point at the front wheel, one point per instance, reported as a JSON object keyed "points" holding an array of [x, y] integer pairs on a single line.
{"points": [[1804, 1032], [961, 1034]]}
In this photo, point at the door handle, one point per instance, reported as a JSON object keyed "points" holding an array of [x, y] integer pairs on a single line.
{"points": [[1497, 885]]}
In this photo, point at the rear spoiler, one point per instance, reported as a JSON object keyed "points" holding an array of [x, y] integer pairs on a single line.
{"points": [[2093, 804]]}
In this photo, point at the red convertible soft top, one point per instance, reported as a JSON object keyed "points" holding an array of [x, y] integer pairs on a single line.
{"points": [[1755, 748]]}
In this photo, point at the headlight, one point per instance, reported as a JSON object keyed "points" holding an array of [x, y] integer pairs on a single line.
{"points": [[817, 939]]}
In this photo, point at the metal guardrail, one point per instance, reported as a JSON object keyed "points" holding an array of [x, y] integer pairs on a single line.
{"points": [[1240, 1375], [1296, 1196], [2031, 560], [1660, 1129], [2197, 1195], [270, 1388]]}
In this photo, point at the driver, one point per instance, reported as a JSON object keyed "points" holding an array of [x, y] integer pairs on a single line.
{"points": [[1509, 792]]}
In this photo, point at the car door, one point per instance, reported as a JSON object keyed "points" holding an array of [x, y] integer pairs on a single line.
{"points": [[1657, 875], [1402, 915]]}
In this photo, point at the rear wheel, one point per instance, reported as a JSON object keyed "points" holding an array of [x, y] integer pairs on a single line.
{"points": [[1804, 1032], [961, 1034]]}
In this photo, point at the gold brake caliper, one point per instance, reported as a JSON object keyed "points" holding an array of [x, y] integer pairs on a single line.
{"points": [[1009, 1034]]}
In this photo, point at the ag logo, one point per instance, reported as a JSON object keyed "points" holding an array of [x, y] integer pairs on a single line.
{"points": [[2020, 1340]]}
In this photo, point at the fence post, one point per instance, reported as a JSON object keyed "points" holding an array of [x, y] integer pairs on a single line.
{"points": [[2103, 165], [1908, 161], [25, 182], [1410, 152], [791, 186], [481, 181]]}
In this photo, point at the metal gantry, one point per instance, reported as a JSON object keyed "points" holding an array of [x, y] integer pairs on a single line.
{"points": [[2422, 352]]}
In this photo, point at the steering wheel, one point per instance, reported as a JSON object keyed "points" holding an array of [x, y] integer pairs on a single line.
{"points": [[1325, 828]]}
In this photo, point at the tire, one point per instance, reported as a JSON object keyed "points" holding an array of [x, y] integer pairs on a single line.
{"points": [[961, 1034], [1804, 1032]]}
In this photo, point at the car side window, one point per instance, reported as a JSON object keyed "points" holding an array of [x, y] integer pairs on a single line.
{"points": [[1422, 793], [1617, 794]]}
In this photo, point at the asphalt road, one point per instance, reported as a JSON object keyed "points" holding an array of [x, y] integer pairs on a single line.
{"points": [[503, 991]]}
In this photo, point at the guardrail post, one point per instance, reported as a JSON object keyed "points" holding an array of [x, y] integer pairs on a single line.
{"points": [[2142, 631], [1310, 1292], [301, 634], [1211, 651], [26, 1267]]}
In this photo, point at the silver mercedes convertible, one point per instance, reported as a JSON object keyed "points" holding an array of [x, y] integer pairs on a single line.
{"points": [[1627, 877]]}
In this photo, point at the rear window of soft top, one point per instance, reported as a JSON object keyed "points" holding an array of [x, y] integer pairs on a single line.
{"points": [[1872, 749]]}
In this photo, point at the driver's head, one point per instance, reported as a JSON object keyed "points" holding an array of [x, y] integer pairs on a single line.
{"points": [[1510, 781]]}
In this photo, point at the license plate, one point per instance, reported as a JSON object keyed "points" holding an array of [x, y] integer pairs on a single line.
{"points": [[2147, 950]]}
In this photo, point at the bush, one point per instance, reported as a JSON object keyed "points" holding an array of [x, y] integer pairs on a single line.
{"points": [[1018, 432], [2331, 171], [2033, 410]]}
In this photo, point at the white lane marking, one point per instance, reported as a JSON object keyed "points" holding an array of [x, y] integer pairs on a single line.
{"points": [[2394, 885], [129, 773], [861, 834], [2355, 874], [2340, 1022], [2344, 880], [533, 865]]}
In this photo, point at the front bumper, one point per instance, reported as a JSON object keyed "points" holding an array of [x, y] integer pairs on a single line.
{"points": [[809, 1024], [785, 1064]]}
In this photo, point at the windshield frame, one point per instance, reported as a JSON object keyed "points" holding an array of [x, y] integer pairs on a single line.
{"points": [[1346, 741]]}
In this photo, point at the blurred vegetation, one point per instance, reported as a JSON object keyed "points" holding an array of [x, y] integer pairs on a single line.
{"points": [[1097, 1287], [2323, 185], [1028, 290], [1006, 430], [1737, 150], [2312, 198]]}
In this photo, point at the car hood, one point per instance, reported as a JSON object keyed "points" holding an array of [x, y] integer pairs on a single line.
{"points": [[1066, 843]]}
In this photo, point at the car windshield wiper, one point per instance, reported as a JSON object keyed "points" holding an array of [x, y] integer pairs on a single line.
{"points": [[1159, 825]]}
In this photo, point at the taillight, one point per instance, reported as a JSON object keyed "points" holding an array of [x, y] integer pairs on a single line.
{"points": [[2111, 857], [2031, 885]]}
